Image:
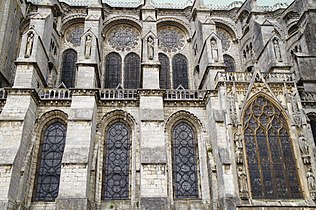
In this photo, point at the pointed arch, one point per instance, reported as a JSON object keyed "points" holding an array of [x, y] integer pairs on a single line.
{"points": [[113, 70], [69, 68], [51, 148], [180, 71], [164, 80], [229, 62], [132, 71], [269, 151]]}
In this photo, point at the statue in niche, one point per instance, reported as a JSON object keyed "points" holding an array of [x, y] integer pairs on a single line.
{"points": [[88, 46], [214, 50], [277, 51], [238, 141], [304, 149], [311, 180], [150, 48], [29, 45], [242, 180]]}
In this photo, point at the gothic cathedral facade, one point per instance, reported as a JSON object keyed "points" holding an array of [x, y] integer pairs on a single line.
{"points": [[157, 106]]}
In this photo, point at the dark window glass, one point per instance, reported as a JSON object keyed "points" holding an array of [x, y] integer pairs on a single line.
{"points": [[113, 70], [50, 157], [229, 63], [184, 154], [69, 68], [164, 82], [272, 167], [180, 71], [313, 126], [116, 162], [132, 71]]}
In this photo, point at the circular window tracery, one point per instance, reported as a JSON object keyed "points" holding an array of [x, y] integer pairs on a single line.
{"points": [[171, 39], [225, 38], [123, 37], [74, 33]]}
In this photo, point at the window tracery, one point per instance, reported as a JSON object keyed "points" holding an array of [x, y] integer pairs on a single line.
{"points": [[171, 38], [184, 155], [69, 68], [116, 162], [164, 82], [225, 38], [272, 171], [50, 158], [132, 71], [123, 37], [74, 34], [113, 70], [180, 71]]}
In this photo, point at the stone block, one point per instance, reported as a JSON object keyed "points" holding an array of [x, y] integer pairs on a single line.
{"points": [[157, 203]]}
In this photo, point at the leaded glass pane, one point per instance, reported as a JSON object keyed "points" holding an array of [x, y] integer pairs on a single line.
{"points": [[116, 162], [50, 156], [164, 82], [184, 161], [313, 126], [132, 71], [171, 39], [271, 164], [113, 70], [123, 37], [229, 63], [180, 71], [69, 68], [74, 34]]}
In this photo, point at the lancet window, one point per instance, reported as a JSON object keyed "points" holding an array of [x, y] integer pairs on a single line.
{"points": [[113, 70], [229, 63], [49, 164], [116, 162], [180, 71], [69, 68], [132, 71], [270, 157], [164, 72], [184, 157]]}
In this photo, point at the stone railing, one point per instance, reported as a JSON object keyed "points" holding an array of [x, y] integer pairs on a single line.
{"points": [[54, 94], [118, 94], [308, 97], [172, 95], [3, 94], [247, 77]]}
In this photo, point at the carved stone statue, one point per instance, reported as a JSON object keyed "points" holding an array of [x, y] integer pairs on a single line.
{"points": [[214, 50], [88, 46], [238, 141], [150, 48], [304, 149], [277, 51], [29, 44], [242, 180], [239, 156], [311, 180]]}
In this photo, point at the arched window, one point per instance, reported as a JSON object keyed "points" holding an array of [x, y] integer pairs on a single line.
{"points": [[313, 126], [69, 68], [113, 70], [116, 162], [271, 164], [164, 81], [184, 161], [229, 63], [132, 71], [49, 164], [180, 71]]}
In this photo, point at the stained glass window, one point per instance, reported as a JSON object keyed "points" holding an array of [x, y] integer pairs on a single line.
{"points": [[50, 157], [171, 38], [313, 126], [180, 71], [164, 82], [69, 68], [116, 162], [184, 154], [229, 63], [74, 34], [271, 164], [132, 71], [113, 70], [225, 38]]}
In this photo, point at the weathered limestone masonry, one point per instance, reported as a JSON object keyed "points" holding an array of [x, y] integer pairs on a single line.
{"points": [[157, 106]]}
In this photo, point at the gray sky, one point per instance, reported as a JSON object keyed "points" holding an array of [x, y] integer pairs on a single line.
{"points": [[226, 2]]}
